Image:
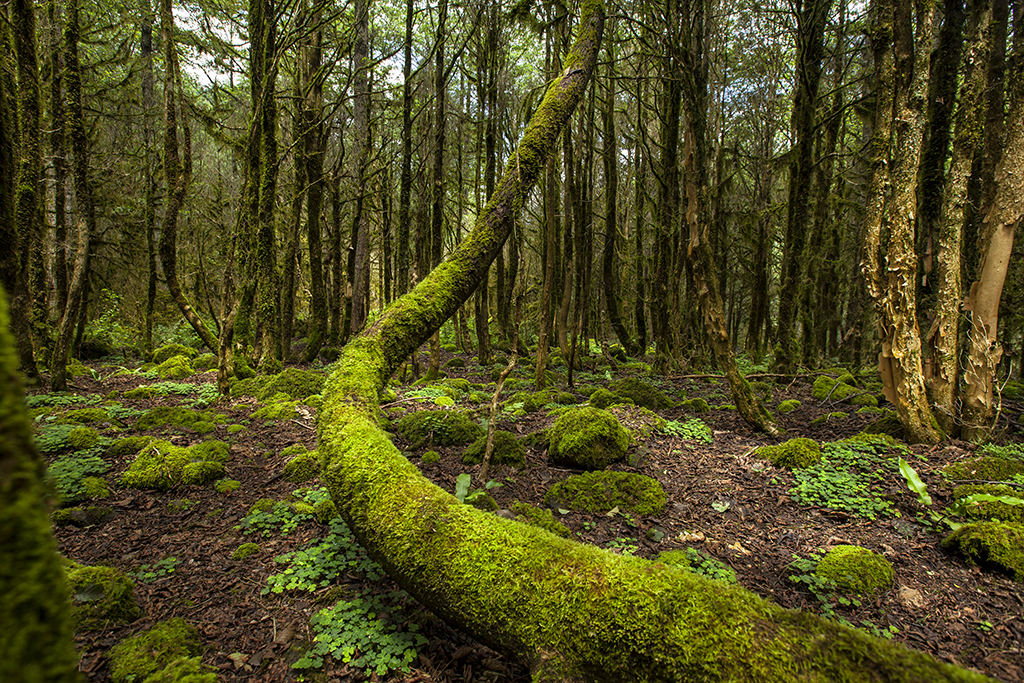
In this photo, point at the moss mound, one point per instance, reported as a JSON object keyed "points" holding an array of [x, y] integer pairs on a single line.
{"points": [[82, 438], [294, 382], [159, 653], [599, 492], [303, 467], [205, 362], [161, 465], [695, 405], [639, 422], [507, 450], [84, 416], [325, 511], [278, 408], [170, 416], [994, 544], [602, 398], [534, 401], [101, 597], [986, 510], [856, 569], [176, 367], [82, 516], [171, 350], [587, 438], [832, 389], [245, 550], [792, 454], [987, 467], [129, 445], [538, 517], [641, 393], [438, 428], [788, 406]]}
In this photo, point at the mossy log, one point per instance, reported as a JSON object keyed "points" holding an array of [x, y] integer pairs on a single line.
{"points": [[570, 611]]}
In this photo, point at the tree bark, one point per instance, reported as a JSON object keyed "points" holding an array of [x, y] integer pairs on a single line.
{"points": [[360, 246]]}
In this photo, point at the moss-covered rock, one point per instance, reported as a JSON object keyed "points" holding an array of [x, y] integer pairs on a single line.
{"points": [[695, 405], [154, 651], [586, 438], [856, 569], [986, 510], [176, 367], [868, 400], [202, 472], [82, 438], [278, 408], [534, 401], [205, 362], [834, 390], [991, 468], [161, 465], [430, 457], [455, 363], [141, 392], [788, 406], [602, 398], [599, 492], [170, 416], [245, 550], [84, 416], [81, 517], [325, 510], [438, 428], [993, 544], [95, 488], [827, 417], [792, 454], [539, 517], [101, 597], [171, 350], [641, 393], [507, 450], [303, 467], [128, 445], [294, 382], [640, 423]]}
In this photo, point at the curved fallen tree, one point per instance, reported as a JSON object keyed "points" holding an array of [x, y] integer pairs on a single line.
{"points": [[569, 611]]}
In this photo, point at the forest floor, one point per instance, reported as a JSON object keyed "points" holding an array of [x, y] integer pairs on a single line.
{"points": [[733, 510]]}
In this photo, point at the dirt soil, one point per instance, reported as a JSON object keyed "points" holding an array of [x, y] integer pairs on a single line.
{"points": [[721, 500]]}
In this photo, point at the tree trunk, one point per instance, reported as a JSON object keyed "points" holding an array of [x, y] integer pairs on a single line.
{"points": [[151, 162], [1000, 223], [268, 303], [360, 246], [289, 283]]}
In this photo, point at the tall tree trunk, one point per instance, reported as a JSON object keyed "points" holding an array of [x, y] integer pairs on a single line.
{"points": [[360, 246], [178, 174], [58, 151], [943, 374], [640, 199], [550, 236], [289, 283], [84, 207], [268, 303], [405, 191], [901, 64], [1000, 224], [151, 162]]}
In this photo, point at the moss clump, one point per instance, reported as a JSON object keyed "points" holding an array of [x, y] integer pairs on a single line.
{"points": [[695, 405], [205, 362], [991, 468], [177, 367], [170, 416], [641, 393], [587, 438], [455, 363], [82, 516], [278, 409], [994, 544], [507, 450], [262, 505], [792, 454], [82, 438], [101, 597], [302, 467], [76, 369], [171, 350], [245, 550], [991, 509], [599, 492], [141, 392], [788, 406], [84, 416], [824, 419], [161, 465], [430, 457], [538, 517], [95, 487], [295, 383], [227, 485], [855, 569], [234, 429], [438, 428], [834, 390], [325, 511], [154, 651], [184, 670], [602, 398], [866, 400], [294, 449], [639, 422], [129, 445]]}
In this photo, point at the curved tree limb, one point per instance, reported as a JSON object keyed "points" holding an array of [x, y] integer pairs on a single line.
{"points": [[571, 612]]}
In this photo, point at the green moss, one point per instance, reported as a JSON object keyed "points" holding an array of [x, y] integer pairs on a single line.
{"points": [[184, 670], [296, 383], [599, 492], [791, 454], [788, 406], [867, 400], [325, 511], [234, 429], [84, 416], [868, 410], [438, 428], [128, 445], [141, 392], [587, 438], [856, 569], [77, 369], [149, 652], [539, 517], [161, 465], [294, 449], [695, 405], [834, 390], [602, 398], [205, 362], [455, 363], [278, 410], [302, 467], [169, 416], [81, 517], [262, 505], [639, 422], [177, 367], [227, 485], [430, 457], [1013, 390], [303, 508], [170, 350], [203, 427], [641, 393], [992, 510], [992, 544], [507, 450], [83, 438], [95, 488], [200, 473], [988, 467], [101, 597], [828, 417]]}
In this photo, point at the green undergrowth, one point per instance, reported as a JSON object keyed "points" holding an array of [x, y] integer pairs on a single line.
{"points": [[587, 438], [792, 454], [101, 597], [320, 562], [539, 517], [698, 562], [268, 517], [168, 652], [438, 428], [160, 465], [693, 429]]}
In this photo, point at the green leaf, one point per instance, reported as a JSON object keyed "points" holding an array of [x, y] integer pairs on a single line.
{"points": [[914, 483], [462, 483]]}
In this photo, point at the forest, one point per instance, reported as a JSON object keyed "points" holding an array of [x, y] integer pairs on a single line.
{"points": [[493, 341]]}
